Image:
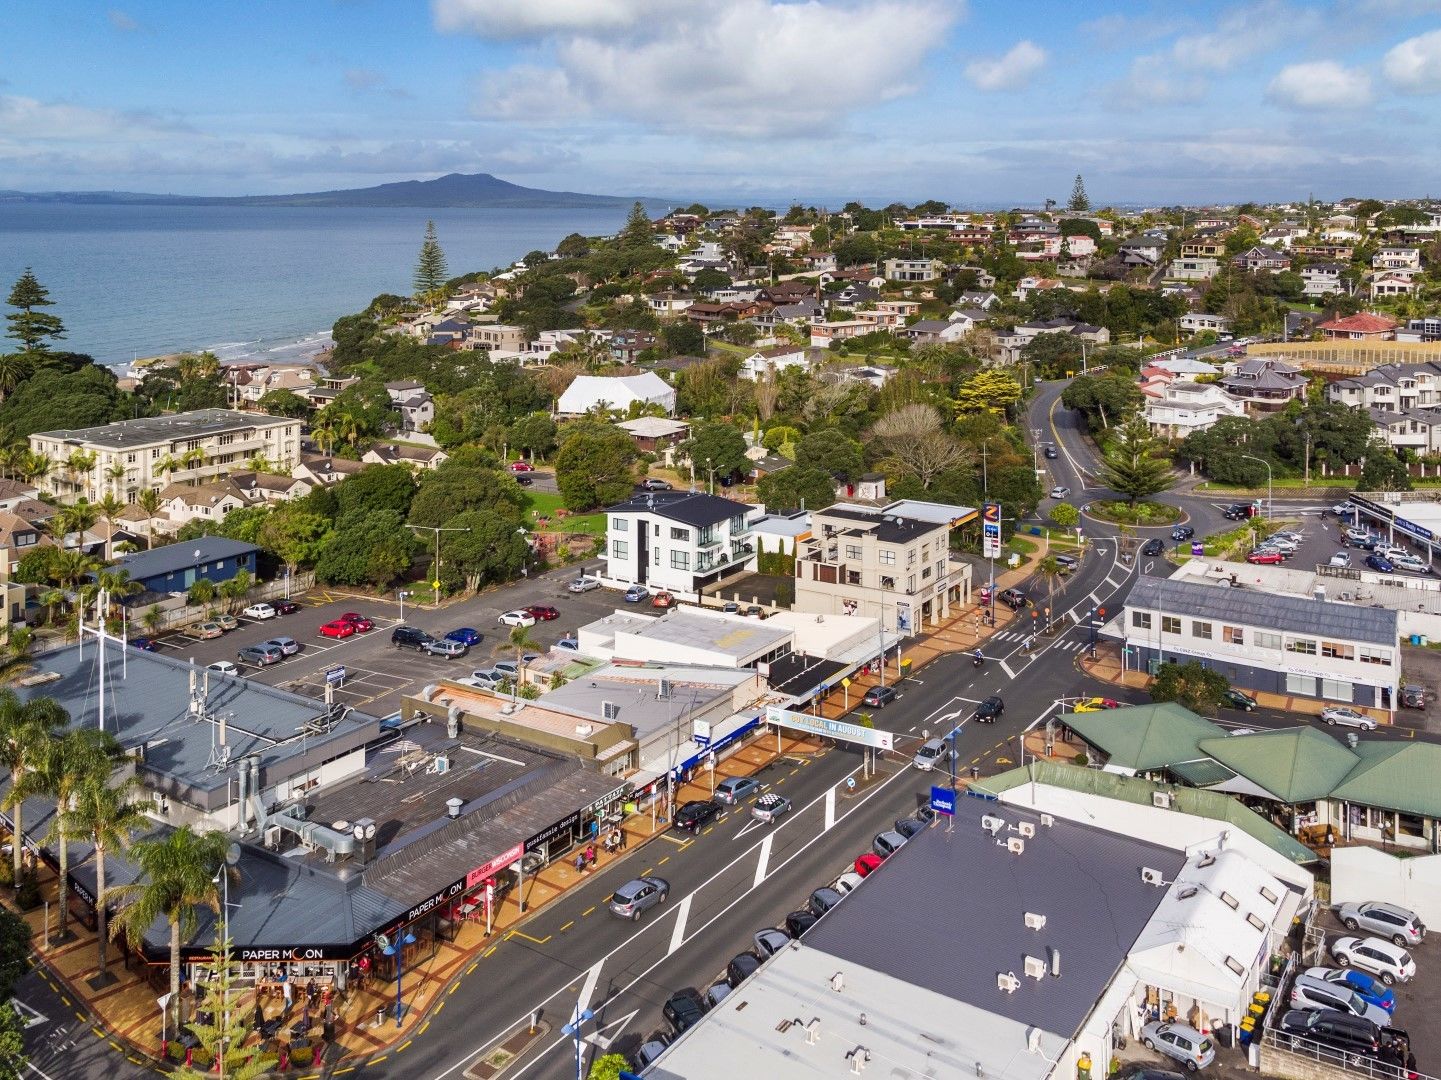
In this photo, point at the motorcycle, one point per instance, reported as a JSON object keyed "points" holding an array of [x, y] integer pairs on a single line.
{"points": [[977, 661]]}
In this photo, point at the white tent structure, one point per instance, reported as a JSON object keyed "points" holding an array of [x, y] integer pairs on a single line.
{"points": [[616, 392]]}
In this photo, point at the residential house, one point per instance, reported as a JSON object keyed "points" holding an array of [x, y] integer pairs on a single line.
{"points": [[1385, 285], [1322, 279], [18, 537], [913, 270], [854, 294], [451, 331], [793, 291], [1194, 268], [1263, 385], [1184, 407], [14, 492], [824, 333], [1391, 387], [1029, 284], [173, 568], [325, 471], [627, 345], [1199, 322], [984, 278], [669, 302], [499, 337], [1041, 247], [1261, 258], [184, 503], [901, 309], [978, 298], [1143, 250], [251, 382], [1204, 247], [616, 392], [655, 434], [876, 375], [412, 404], [1411, 429], [763, 361], [1011, 345], [927, 331], [1424, 329], [680, 541], [1340, 253], [1360, 327], [419, 458], [1397, 258]]}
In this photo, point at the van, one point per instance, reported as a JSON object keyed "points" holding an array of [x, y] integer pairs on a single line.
{"points": [[1068, 563]]}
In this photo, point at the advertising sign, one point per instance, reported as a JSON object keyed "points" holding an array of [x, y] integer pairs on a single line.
{"points": [[991, 531], [943, 800], [830, 729]]}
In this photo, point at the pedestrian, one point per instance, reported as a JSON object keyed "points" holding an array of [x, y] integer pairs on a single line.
{"points": [[289, 992], [580, 862], [590, 854], [624, 838], [259, 1017]]}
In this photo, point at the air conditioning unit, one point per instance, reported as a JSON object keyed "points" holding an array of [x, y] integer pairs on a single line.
{"points": [[1047, 821], [609, 709], [1161, 799], [992, 825], [272, 837], [1152, 877], [1015, 845], [1026, 829], [662, 690], [1008, 982], [1035, 921], [1035, 967]]}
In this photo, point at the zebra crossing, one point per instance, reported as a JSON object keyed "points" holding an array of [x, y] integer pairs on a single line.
{"points": [[1066, 644]]}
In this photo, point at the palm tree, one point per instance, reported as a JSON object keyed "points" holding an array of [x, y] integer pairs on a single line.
{"points": [[107, 816], [75, 518], [322, 431], [68, 763], [17, 650], [1051, 570], [235, 589], [70, 566], [114, 584], [521, 640], [148, 500], [177, 875], [26, 729], [115, 473], [166, 465], [153, 619], [34, 468], [79, 464], [201, 593], [349, 426], [14, 370], [194, 458], [193, 366], [109, 508]]}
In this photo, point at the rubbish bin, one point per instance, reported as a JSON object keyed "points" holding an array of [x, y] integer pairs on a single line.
{"points": [[1415, 639]]}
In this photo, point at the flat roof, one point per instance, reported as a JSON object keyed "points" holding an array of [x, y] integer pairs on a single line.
{"points": [[152, 429], [887, 528], [633, 693], [737, 636]]}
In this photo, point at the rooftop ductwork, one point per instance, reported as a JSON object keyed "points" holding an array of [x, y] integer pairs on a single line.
{"points": [[312, 834]]}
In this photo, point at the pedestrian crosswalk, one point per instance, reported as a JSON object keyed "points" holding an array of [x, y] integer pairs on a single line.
{"points": [[1067, 644]]}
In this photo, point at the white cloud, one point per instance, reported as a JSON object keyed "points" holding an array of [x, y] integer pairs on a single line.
{"points": [[1155, 80], [1241, 33], [121, 21], [539, 18], [368, 80], [1320, 84], [1414, 66], [750, 68], [1011, 71]]}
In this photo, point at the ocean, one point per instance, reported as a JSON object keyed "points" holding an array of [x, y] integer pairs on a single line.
{"points": [[246, 282]]}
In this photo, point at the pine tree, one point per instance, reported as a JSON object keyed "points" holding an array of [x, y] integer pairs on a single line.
{"points": [[637, 231], [1079, 203], [1135, 468], [28, 326], [430, 269]]}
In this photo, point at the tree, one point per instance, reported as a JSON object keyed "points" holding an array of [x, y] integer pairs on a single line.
{"points": [[453, 490], [1065, 515], [1134, 467], [683, 339], [716, 446], [1079, 202], [234, 590], [108, 816], [283, 403], [595, 466], [15, 936], [1050, 569], [70, 762], [912, 439], [637, 231], [796, 488], [380, 487], [14, 1061], [226, 1038], [832, 452], [177, 874], [368, 547], [1384, 471], [988, 390], [26, 730], [1191, 684], [109, 508], [27, 325], [494, 550], [430, 269], [201, 592], [294, 534], [1102, 399], [15, 368], [1052, 356], [533, 434], [608, 1067]]}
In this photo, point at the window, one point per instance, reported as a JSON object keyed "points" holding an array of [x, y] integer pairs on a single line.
{"points": [[1201, 630], [226, 440], [1337, 690], [925, 573], [130, 459], [911, 583], [888, 557], [853, 551], [1336, 650], [1141, 620], [911, 557], [1170, 624], [1265, 640], [1304, 646], [1235, 966], [853, 577], [620, 524], [1233, 635], [620, 549], [655, 556], [680, 560], [1230, 901], [679, 534], [1268, 895], [1255, 920], [1376, 656], [1301, 684]]}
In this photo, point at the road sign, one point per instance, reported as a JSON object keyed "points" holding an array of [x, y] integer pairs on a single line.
{"points": [[846, 682], [991, 530], [943, 800], [335, 676], [1198, 548], [435, 584]]}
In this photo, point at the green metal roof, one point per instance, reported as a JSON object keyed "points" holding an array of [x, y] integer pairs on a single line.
{"points": [[1296, 765], [1203, 772], [1135, 789], [1395, 775], [1144, 737]]}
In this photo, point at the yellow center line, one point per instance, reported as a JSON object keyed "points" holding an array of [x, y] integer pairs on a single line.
{"points": [[567, 926], [663, 861], [80, 1016], [401, 1048], [587, 911]]}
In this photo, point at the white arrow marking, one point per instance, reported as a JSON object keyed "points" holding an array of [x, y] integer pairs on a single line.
{"points": [[588, 987], [677, 934], [600, 1040], [764, 860], [32, 1017], [831, 805]]}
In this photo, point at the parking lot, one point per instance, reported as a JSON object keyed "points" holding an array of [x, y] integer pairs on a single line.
{"points": [[377, 675]]}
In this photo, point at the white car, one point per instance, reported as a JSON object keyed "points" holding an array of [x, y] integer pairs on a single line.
{"points": [[1389, 963], [584, 583], [847, 882], [224, 667], [1357, 535], [1341, 558], [1346, 716], [259, 611], [517, 618], [1060, 491], [1342, 509]]}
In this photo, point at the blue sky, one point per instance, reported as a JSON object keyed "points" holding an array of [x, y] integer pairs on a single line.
{"points": [[769, 100]]}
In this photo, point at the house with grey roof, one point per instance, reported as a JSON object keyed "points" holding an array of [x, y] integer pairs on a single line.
{"points": [[1264, 384], [1303, 647]]}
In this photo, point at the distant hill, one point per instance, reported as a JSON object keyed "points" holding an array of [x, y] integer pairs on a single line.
{"points": [[455, 189]]}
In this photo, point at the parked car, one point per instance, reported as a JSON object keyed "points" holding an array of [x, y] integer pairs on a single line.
{"points": [[771, 941], [569, 644], [465, 635], [1370, 989], [730, 607], [755, 611], [1329, 1028], [259, 611], [223, 667], [651, 1050], [718, 991], [208, 630], [286, 607], [524, 481], [684, 1009], [288, 646], [1413, 696], [1402, 925], [1346, 716], [338, 629], [1412, 564], [1341, 558], [543, 612], [1232, 698], [262, 655], [651, 483], [584, 583], [451, 650], [1015, 599], [1282, 543], [521, 467], [637, 896], [1060, 491], [933, 752], [878, 697], [511, 668], [1185, 1044], [990, 710], [520, 617], [1261, 557], [635, 594], [798, 922], [733, 789], [409, 637], [1355, 534], [867, 863], [742, 967], [1153, 547], [909, 826], [483, 679], [227, 622], [662, 600], [770, 807], [1182, 532], [1390, 963], [357, 620], [1380, 564], [1343, 509], [1096, 704], [144, 644], [850, 880], [887, 843], [823, 899], [1069, 564], [1308, 992], [697, 813]]}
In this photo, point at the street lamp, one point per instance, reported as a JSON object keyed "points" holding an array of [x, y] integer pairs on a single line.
{"points": [[573, 1030], [400, 595], [1269, 492], [435, 570], [222, 878], [710, 469], [397, 950]]}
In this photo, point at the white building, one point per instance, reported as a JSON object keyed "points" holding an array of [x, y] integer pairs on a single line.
{"points": [[615, 392], [763, 361], [1185, 407], [679, 541], [1322, 279], [1198, 322]]}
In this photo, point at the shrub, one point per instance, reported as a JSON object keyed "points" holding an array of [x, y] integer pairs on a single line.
{"points": [[27, 896], [1081, 759], [7, 873], [202, 1058], [302, 1056]]}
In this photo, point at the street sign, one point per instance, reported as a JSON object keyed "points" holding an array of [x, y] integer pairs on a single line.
{"points": [[335, 676], [943, 800], [435, 584], [831, 729], [1197, 548], [846, 682], [991, 530]]}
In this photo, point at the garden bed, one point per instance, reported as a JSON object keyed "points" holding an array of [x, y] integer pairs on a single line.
{"points": [[1142, 514]]}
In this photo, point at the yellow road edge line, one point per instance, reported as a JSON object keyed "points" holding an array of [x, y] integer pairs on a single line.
{"points": [[482, 957], [423, 1028], [477, 963], [116, 1047], [567, 926], [587, 911], [401, 1048], [453, 988], [377, 1061], [647, 871], [98, 1033], [537, 941], [64, 1001], [342, 1072], [134, 1060]]}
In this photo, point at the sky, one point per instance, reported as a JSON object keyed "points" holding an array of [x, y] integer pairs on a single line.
{"points": [[975, 102]]}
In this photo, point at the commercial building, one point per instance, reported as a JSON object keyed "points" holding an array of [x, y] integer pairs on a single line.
{"points": [[157, 450], [680, 541], [1314, 648]]}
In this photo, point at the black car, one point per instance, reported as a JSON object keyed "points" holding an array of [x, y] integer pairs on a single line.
{"points": [[1153, 547], [1015, 599], [1238, 511], [285, 607], [823, 899], [878, 697], [1330, 1027], [798, 922], [742, 967], [909, 826], [1052, 452], [1232, 698], [683, 1009], [1182, 532], [697, 813], [409, 637], [990, 710]]}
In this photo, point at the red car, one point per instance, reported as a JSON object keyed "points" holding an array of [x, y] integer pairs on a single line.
{"points": [[359, 622], [542, 612], [337, 629], [521, 466], [867, 863], [1265, 558]]}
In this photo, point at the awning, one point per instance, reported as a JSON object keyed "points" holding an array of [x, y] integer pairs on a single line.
{"points": [[1203, 772]]}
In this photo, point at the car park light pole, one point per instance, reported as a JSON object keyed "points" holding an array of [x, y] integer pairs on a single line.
{"points": [[400, 595], [1270, 496], [435, 569]]}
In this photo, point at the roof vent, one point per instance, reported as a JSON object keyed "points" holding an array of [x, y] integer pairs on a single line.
{"points": [[859, 1058], [1007, 981], [1152, 876], [1047, 820], [1033, 1040], [813, 1031], [1188, 892], [1035, 921], [452, 807], [1055, 962], [1208, 859], [838, 981]]}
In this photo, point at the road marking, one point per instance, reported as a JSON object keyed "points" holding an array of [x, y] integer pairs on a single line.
{"points": [[1009, 673], [453, 988], [377, 1061], [763, 860], [663, 860], [537, 941], [831, 805], [423, 1028], [567, 926], [587, 911], [674, 839], [32, 1017], [604, 1042], [587, 989], [677, 934], [401, 1048]]}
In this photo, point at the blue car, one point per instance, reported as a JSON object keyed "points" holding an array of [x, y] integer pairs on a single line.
{"points": [[1368, 987], [635, 594], [464, 635], [144, 643], [1380, 563]]}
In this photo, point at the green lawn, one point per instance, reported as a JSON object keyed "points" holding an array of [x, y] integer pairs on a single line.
{"points": [[544, 504]]}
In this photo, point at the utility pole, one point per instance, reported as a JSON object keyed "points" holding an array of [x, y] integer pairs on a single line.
{"points": [[435, 570]]}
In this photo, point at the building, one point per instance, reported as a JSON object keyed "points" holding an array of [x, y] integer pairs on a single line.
{"points": [[1263, 385], [418, 458], [1199, 322], [913, 270], [1184, 407], [627, 345], [615, 393], [158, 450], [1322, 279], [892, 563], [688, 635], [1390, 387], [655, 434], [175, 567], [499, 337], [1011, 345], [767, 361], [1384, 286], [1280, 644], [926, 331], [1361, 327], [1259, 258], [679, 541], [412, 404], [1194, 268], [1397, 258]]}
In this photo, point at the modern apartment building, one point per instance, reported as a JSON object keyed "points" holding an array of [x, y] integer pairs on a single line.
{"points": [[678, 541], [152, 452]]}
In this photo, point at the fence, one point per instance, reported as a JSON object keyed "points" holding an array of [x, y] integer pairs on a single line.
{"points": [[175, 612]]}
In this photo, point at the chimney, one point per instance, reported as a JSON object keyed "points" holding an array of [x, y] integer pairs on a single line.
{"points": [[1055, 962]]}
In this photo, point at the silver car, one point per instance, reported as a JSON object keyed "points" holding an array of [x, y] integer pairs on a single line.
{"points": [[289, 646], [735, 789], [633, 898], [445, 647], [584, 583], [1185, 1044], [1347, 717], [1401, 925], [933, 752], [1309, 992], [770, 807]]}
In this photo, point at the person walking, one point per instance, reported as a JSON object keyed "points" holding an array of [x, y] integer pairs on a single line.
{"points": [[590, 855]]}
